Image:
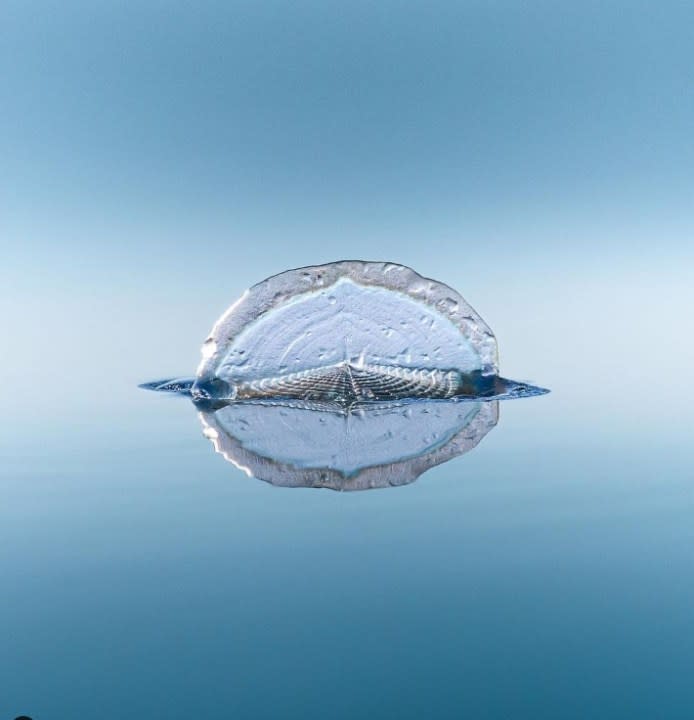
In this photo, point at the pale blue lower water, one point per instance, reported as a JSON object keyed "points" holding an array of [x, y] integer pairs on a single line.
{"points": [[546, 574]]}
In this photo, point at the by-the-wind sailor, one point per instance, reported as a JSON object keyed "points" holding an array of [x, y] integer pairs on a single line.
{"points": [[350, 332], [348, 376]]}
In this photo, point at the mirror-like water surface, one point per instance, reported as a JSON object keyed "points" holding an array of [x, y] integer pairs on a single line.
{"points": [[545, 573]]}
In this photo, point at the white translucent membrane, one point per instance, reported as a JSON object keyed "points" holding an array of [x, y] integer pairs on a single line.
{"points": [[370, 330], [356, 449]]}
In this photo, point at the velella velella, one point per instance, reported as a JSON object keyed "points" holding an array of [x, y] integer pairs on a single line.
{"points": [[347, 375]]}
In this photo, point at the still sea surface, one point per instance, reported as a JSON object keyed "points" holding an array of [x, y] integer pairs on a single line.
{"points": [[547, 573]]}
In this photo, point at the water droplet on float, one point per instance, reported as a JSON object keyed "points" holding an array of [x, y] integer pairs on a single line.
{"points": [[449, 305]]}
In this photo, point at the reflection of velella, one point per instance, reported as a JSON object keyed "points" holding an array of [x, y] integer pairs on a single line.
{"points": [[374, 446], [348, 332]]}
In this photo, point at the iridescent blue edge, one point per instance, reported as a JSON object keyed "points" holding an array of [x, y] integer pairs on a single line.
{"points": [[494, 388]]}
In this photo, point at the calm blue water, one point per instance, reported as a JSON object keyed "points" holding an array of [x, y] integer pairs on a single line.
{"points": [[159, 158], [545, 574]]}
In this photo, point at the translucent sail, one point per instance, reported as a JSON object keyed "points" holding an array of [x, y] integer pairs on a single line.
{"points": [[347, 332]]}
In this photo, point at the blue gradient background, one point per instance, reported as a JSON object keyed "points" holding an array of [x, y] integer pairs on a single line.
{"points": [[156, 159]]}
